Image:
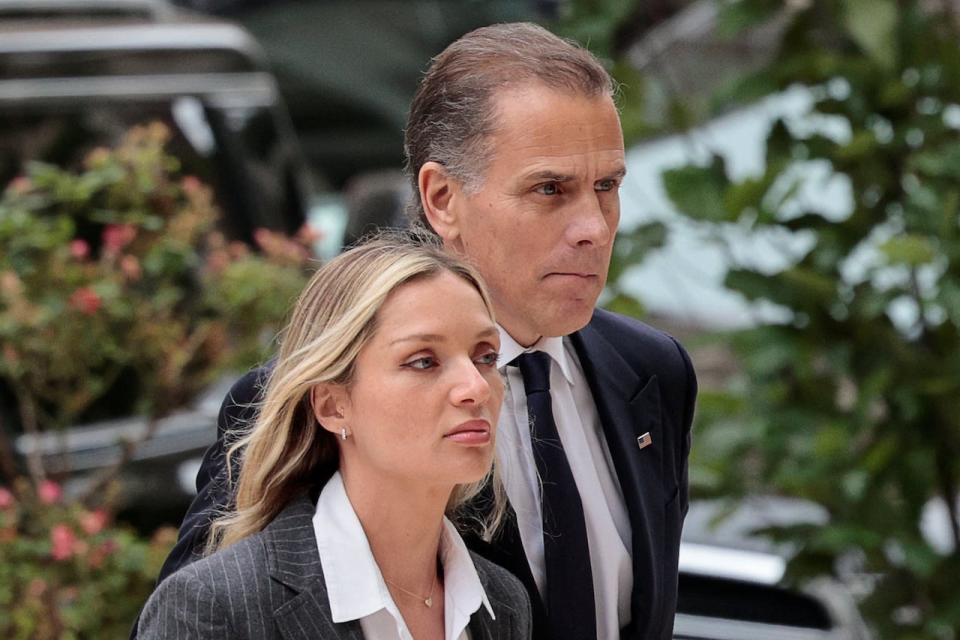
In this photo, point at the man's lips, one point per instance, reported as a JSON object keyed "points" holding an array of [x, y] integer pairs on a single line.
{"points": [[470, 432], [582, 275]]}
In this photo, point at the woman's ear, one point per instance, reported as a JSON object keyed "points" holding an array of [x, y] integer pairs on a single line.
{"points": [[439, 193], [327, 402]]}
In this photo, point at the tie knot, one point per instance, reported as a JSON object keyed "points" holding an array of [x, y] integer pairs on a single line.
{"points": [[535, 369]]}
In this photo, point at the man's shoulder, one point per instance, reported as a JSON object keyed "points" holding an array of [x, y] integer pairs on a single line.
{"points": [[636, 340], [249, 387]]}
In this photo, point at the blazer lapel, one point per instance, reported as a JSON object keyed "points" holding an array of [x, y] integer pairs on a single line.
{"points": [[506, 550], [628, 405], [295, 563], [480, 627]]}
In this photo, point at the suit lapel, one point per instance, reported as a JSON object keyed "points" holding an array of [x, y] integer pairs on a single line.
{"points": [[507, 551], [628, 405], [295, 563]]}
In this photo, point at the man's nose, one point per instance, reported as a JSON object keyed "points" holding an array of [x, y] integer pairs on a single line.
{"points": [[591, 223]]}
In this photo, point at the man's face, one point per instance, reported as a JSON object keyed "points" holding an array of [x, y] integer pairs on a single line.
{"points": [[541, 227]]}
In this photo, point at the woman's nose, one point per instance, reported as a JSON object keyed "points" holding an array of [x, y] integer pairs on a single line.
{"points": [[470, 385]]}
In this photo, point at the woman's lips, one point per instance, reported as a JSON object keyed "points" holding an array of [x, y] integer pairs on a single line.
{"points": [[472, 432]]}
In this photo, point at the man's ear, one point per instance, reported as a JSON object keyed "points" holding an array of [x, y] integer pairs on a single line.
{"points": [[439, 192], [327, 402]]}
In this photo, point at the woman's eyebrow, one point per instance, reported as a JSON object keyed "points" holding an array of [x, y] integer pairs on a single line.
{"points": [[436, 337], [419, 337]]}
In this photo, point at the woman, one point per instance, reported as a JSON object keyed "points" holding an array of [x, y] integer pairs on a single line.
{"points": [[384, 401]]}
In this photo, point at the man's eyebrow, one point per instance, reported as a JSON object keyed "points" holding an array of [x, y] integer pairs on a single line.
{"points": [[435, 337], [548, 175], [553, 176], [618, 173]]}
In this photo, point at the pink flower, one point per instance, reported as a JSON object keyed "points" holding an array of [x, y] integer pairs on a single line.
{"points": [[10, 356], [97, 157], [79, 249], [130, 267], [309, 235], [10, 284], [100, 553], [36, 588], [20, 185], [116, 237], [93, 522], [218, 260], [6, 498], [238, 250], [62, 540], [86, 301], [191, 185], [263, 237], [49, 492]]}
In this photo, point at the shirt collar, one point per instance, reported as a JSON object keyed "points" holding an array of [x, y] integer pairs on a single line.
{"points": [[460, 575], [552, 346], [355, 586]]}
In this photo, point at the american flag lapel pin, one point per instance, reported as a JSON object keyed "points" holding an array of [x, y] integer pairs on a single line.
{"points": [[645, 440]]}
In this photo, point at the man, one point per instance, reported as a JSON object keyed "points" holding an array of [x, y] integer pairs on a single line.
{"points": [[515, 148]]}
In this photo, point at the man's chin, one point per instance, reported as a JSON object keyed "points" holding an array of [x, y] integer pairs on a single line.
{"points": [[569, 320]]}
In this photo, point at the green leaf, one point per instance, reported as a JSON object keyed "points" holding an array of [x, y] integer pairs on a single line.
{"points": [[943, 162], [737, 15], [698, 192], [626, 305], [633, 245], [910, 250], [747, 194], [862, 144], [872, 24], [797, 287]]}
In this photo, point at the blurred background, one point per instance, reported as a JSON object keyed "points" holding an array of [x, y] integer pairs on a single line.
{"points": [[791, 212]]}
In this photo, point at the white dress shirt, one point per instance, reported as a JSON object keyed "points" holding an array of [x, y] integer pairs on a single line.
{"points": [[578, 424], [356, 588]]}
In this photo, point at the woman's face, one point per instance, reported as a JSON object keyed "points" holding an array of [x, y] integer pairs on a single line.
{"points": [[426, 394]]}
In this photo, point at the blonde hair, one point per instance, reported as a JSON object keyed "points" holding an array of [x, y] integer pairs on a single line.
{"points": [[286, 451]]}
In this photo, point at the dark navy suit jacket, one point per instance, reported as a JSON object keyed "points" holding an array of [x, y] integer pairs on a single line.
{"points": [[642, 382]]}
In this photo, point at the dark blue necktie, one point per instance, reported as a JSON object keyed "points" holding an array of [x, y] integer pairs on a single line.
{"points": [[569, 598]]}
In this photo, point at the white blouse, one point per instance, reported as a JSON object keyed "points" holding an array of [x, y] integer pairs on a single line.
{"points": [[356, 588]]}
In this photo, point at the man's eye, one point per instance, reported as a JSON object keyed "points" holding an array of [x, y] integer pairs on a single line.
{"points": [[489, 358], [548, 189], [425, 362], [605, 185]]}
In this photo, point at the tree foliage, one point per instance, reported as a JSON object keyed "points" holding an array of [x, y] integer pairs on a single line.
{"points": [[852, 401]]}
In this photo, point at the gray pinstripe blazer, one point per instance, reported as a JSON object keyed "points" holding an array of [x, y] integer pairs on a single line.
{"points": [[271, 585]]}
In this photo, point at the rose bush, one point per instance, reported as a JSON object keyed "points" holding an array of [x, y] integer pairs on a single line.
{"points": [[67, 571], [119, 295]]}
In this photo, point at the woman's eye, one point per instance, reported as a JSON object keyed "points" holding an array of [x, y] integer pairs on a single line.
{"points": [[489, 358], [549, 189], [425, 362]]}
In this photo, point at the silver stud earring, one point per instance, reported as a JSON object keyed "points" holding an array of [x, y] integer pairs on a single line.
{"points": [[343, 433]]}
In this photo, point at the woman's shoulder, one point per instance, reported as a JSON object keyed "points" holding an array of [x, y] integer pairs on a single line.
{"points": [[210, 596], [226, 569]]}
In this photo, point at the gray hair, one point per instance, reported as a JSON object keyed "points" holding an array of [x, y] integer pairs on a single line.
{"points": [[452, 116]]}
